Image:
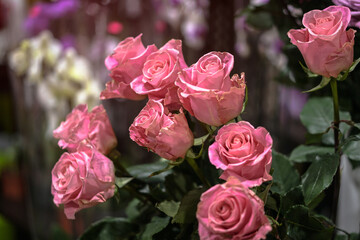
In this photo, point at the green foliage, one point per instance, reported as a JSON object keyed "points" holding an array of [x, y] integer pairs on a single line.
{"points": [[303, 153], [200, 140], [156, 225], [324, 81], [352, 149], [310, 73], [110, 228], [144, 171], [319, 176], [122, 181], [317, 116], [188, 206], [285, 175], [302, 224], [170, 208], [292, 198]]}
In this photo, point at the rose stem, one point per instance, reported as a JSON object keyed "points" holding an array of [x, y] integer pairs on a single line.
{"points": [[336, 183], [196, 169]]}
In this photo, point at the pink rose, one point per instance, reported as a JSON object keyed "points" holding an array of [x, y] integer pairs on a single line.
{"points": [[166, 134], [244, 152], [160, 72], [125, 65], [325, 44], [82, 127], [207, 91], [82, 179], [231, 211]]}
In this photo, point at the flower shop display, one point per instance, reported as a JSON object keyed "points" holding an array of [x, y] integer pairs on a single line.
{"points": [[216, 175]]}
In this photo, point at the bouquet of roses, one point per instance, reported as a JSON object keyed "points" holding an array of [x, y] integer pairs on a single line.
{"points": [[217, 176]]}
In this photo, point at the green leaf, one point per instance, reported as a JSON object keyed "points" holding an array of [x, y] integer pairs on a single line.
{"points": [[352, 150], [170, 208], [260, 20], [188, 207], [265, 191], [285, 175], [303, 225], [304, 153], [190, 153], [108, 227], [143, 171], [316, 201], [132, 211], [308, 71], [292, 198], [354, 64], [156, 225], [120, 182], [245, 100], [200, 140], [324, 81], [317, 115], [342, 76], [271, 203], [328, 138], [165, 169], [319, 176]]}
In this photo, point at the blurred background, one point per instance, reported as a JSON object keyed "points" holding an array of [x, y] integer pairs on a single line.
{"points": [[52, 58]]}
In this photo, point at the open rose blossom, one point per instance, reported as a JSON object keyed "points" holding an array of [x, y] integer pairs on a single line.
{"points": [[82, 127], [82, 179], [325, 44], [207, 92], [166, 134], [160, 72], [244, 152], [231, 211], [125, 64]]}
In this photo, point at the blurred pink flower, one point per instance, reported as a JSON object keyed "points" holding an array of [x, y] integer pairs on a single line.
{"points": [[114, 27]]}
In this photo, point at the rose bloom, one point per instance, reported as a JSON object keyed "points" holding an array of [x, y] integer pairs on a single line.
{"points": [[244, 152], [231, 211], [125, 65], [325, 44], [207, 92], [160, 72], [166, 134], [82, 179], [82, 127], [354, 6]]}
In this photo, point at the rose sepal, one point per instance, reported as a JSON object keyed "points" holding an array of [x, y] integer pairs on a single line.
{"points": [[324, 81], [343, 76], [308, 72]]}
